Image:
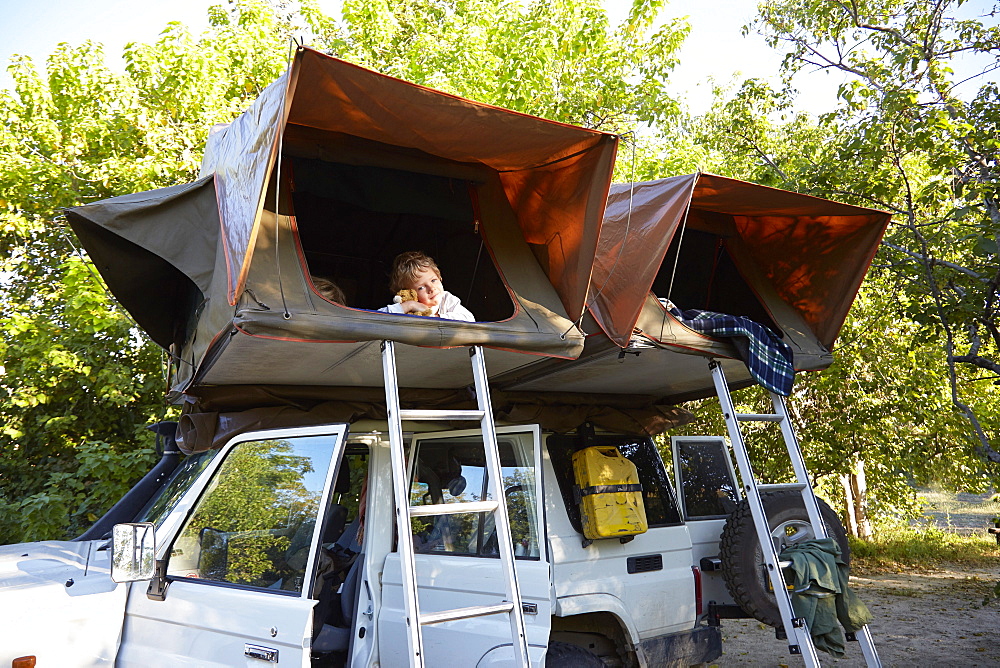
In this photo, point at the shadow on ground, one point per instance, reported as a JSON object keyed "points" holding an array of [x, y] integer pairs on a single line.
{"points": [[921, 619]]}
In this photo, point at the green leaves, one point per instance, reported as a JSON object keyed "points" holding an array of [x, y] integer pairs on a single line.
{"points": [[561, 60], [80, 381], [900, 140]]}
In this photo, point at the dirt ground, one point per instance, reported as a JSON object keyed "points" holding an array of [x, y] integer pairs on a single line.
{"points": [[921, 619], [935, 618]]}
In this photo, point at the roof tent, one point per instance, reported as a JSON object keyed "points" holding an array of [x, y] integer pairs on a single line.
{"points": [[333, 171], [789, 261]]}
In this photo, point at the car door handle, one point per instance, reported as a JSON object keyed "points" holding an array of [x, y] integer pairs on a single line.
{"points": [[260, 652]]}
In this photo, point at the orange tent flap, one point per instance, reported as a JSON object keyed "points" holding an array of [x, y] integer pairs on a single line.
{"points": [[639, 224], [814, 251]]}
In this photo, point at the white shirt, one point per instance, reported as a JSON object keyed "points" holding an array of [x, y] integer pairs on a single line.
{"points": [[449, 307]]}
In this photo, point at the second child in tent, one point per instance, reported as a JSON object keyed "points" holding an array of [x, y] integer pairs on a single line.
{"points": [[329, 290], [418, 272]]}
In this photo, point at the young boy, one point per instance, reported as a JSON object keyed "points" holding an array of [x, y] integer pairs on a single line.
{"points": [[416, 271]]}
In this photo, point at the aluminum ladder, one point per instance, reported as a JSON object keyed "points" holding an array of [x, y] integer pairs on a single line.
{"points": [[796, 631], [511, 605]]}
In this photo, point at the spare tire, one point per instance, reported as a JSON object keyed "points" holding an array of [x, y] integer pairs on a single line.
{"points": [[743, 560]]}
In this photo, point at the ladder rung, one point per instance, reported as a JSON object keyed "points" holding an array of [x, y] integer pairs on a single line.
{"points": [[411, 414], [759, 417], [454, 508], [465, 613], [782, 487], [792, 628]]}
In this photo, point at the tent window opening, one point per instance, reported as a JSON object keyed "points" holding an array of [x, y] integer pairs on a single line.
{"points": [[707, 279], [354, 219]]}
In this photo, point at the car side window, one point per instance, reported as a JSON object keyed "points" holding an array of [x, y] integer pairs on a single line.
{"points": [[453, 470], [706, 481], [254, 524], [183, 476], [657, 490]]}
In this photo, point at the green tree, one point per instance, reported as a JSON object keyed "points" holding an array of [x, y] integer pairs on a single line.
{"points": [[78, 375], [79, 380], [903, 139], [560, 60]]}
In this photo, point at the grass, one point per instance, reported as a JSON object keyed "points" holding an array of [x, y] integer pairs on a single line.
{"points": [[922, 548], [959, 512]]}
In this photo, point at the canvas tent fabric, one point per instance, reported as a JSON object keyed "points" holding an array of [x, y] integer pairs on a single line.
{"points": [[812, 252], [669, 374], [133, 240], [790, 262], [333, 158], [554, 175]]}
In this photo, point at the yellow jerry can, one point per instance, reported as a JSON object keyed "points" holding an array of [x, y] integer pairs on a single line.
{"points": [[608, 492]]}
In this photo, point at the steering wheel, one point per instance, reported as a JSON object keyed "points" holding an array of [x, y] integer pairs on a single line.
{"points": [[213, 560], [492, 544]]}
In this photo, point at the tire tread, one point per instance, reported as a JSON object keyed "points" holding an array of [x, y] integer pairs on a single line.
{"points": [[739, 538]]}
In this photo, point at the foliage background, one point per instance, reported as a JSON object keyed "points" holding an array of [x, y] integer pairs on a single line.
{"points": [[911, 398]]}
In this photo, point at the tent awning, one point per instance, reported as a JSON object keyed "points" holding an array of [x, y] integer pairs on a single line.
{"points": [[556, 176], [814, 252], [134, 243]]}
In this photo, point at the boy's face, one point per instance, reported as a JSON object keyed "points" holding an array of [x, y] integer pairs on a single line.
{"points": [[428, 286]]}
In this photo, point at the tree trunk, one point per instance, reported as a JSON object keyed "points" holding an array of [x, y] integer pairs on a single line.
{"points": [[856, 502], [851, 523], [860, 488]]}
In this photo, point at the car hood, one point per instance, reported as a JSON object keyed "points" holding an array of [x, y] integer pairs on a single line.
{"points": [[58, 602]]}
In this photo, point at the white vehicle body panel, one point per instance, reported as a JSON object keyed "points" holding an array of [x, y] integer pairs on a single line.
{"points": [[705, 543], [201, 624], [446, 582], [706, 530], [657, 603], [65, 585], [205, 622]]}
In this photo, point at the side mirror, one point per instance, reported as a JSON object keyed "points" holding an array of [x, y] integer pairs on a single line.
{"points": [[134, 552]]}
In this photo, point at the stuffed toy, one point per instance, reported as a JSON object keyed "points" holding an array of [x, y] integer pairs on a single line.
{"points": [[407, 295]]}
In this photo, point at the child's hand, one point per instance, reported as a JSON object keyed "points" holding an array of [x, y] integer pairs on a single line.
{"points": [[411, 306]]}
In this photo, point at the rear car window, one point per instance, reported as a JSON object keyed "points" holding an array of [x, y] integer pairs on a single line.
{"points": [[657, 492]]}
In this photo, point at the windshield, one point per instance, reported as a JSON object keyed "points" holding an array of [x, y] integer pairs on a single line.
{"points": [[161, 505]]}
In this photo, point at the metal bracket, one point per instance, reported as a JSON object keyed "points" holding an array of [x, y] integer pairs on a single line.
{"points": [[157, 590]]}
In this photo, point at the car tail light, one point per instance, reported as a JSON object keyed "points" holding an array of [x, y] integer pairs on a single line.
{"points": [[697, 590], [23, 662]]}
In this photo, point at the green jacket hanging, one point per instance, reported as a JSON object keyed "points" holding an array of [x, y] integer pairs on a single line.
{"points": [[821, 595]]}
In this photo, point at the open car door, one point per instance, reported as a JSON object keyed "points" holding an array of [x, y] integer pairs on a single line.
{"points": [[239, 566], [707, 491], [456, 556]]}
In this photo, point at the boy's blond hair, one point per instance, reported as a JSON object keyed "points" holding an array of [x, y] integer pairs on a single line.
{"points": [[329, 290], [405, 268]]}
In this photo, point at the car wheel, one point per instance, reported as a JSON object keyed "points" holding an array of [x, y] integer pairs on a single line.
{"points": [[743, 560]]}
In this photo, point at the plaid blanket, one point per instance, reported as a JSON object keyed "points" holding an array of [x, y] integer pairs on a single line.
{"points": [[768, 358]]}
